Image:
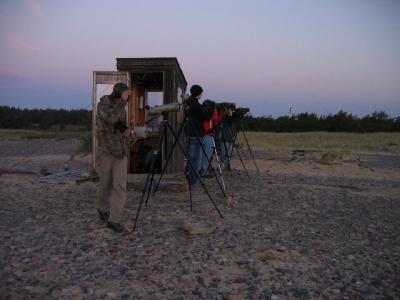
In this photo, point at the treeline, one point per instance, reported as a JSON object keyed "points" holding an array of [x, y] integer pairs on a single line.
{"points": [[16, 118], [341, 121], [11, 117]]}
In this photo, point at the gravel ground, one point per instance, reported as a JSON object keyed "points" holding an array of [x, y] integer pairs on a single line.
{"points": [[299, 230], [38, 155]]}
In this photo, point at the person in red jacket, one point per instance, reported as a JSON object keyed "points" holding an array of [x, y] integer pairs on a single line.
{"points": [[208, 140], [216, 117]]}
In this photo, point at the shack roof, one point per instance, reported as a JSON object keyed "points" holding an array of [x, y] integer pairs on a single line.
{"points": [[139, 64]]}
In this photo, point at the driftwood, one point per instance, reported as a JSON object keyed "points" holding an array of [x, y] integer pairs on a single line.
{"points": [[67, 177]]}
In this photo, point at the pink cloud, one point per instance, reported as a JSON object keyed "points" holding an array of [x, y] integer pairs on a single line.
{"points": [[11, 72], [20, 43], [36, 6]]}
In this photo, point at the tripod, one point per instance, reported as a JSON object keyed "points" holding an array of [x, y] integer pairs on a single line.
{"points": [[228, 153], [238, 129], [217, 159], [149, 186]]}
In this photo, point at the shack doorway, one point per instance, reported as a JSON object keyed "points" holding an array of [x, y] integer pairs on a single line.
{"points": [[153, 82]]}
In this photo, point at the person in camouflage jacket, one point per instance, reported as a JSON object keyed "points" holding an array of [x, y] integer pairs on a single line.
{"points": [[111, 141], [113, 136]]}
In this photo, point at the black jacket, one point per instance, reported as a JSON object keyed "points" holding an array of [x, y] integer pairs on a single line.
{"points": [[197, 115]]}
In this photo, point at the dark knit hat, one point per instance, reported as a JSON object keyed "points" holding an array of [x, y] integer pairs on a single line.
{"points": [[118, 89], [196, 90]]}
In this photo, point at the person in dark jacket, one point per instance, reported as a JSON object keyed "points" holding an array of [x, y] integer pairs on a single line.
{"points": [[197, 115]]}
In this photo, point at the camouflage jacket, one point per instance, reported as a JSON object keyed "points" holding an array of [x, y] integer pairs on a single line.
{"points": [[110, 141]]}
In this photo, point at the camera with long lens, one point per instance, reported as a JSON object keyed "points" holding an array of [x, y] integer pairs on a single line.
{"points": [[120, 127], [241, 111], [224, 107]]}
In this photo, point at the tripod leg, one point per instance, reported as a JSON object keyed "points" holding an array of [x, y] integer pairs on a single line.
{"points": [[190, 196], [187, 169], [226, 153], [153, 163], [241, 160], [248, 147], [146, 190], [168, 157], [197, 174], [218, 163], [234, 134], [237, 150], [205, 155], [206, 191], [149, 180]]}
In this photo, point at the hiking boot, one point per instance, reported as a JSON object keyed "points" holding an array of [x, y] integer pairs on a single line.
{"points": [[103, 215], [117, 227]]}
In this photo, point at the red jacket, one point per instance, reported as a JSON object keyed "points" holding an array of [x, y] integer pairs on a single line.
{"points": [[209, 125]]}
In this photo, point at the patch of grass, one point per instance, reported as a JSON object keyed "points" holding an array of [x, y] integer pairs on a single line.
{"points": [[329, 157], [351, 187], [86, 144], [337, 141], [266, 258], [250, 268], [15, 134]]}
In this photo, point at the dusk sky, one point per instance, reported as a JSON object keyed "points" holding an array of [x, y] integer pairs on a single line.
{"points": [[315, 56]]}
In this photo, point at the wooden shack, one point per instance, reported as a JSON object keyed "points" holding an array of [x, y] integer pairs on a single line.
{"points": [[145, 77]]}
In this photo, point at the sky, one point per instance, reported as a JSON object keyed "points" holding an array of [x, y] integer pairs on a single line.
{"points": [[269, 55]]}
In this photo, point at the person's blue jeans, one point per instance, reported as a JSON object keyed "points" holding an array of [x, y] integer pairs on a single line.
{"points": [[195, 155], [208, 143], [226, 149]]}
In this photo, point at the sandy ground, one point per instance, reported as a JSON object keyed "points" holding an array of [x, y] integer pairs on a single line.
{"points": [[301, 229]]}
